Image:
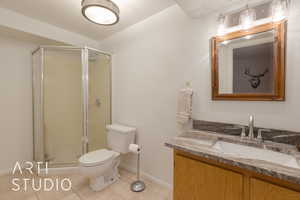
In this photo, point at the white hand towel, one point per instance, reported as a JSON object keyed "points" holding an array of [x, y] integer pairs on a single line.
{"points": [[184, 108]]}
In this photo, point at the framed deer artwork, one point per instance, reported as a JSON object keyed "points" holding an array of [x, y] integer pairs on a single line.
{"points": [[250, 65]]}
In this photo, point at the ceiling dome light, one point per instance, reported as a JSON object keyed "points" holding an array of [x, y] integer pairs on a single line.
{"points": [[279, 10], [247, 18], [103, 12]]}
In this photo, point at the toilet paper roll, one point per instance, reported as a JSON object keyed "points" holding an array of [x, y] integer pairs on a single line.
{"points": [[134, 148]]}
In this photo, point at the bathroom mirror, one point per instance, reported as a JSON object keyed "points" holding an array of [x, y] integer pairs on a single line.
{"points": [[250, 65]]}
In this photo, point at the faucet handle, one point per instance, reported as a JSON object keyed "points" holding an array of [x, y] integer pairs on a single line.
{"points": [[298, 147], [243, 133], [235, 127], [259, 136]]}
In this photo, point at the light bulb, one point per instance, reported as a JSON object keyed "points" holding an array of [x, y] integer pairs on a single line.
{"points": [[221, 30], [279, 10], [248, 37], [225, 42], [222, 26], [247, 18]]}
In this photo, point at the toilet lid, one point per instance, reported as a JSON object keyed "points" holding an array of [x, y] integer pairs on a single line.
{"points": [[97, 157]]}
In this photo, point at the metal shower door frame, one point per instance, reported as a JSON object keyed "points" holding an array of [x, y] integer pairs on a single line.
{"points": [[85, 90]]}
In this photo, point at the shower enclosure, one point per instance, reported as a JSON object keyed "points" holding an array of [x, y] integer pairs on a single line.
{"points": [[71, 103]]}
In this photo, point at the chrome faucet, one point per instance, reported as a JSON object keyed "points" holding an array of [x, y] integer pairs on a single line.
{"points": [[251, 128]]}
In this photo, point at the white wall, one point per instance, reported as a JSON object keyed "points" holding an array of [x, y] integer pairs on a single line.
{"points": [[15, 102], [32, 26], [154, 58]]}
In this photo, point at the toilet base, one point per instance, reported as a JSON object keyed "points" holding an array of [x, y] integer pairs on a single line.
{"points": [[100, 182]]}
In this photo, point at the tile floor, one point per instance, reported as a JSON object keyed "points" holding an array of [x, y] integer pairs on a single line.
{"points": [[81, 191]]}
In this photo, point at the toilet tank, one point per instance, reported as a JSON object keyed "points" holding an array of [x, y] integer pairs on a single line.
{"points": [[119, 137]]}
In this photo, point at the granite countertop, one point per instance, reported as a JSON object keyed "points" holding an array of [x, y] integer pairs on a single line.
{"points": [[187, 142], [275, 135]]}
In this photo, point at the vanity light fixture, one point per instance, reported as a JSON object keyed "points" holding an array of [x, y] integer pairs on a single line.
{"points": [[279, 10], [222, 26], [102, 12], [247, 18]]}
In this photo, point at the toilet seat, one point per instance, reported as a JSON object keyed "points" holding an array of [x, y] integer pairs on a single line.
{"points": [[98, 157]]}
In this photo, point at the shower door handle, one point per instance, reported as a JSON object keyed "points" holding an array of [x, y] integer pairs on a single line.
{"points": [[85, 139], [98, 102]]}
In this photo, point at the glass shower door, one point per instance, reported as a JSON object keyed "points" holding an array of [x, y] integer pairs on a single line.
{"points": [[99, 99], [62, 104]]}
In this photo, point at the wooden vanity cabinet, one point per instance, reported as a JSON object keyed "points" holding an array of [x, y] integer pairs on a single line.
{"points": [[197, 178], [261, 190]]}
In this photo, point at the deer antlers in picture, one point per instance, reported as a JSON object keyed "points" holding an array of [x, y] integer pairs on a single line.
{"points": [[255, 79]]}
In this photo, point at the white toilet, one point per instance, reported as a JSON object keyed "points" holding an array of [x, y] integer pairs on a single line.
{"points": [[101, 166]]}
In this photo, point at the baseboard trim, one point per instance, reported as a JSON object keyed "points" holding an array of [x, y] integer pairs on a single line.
{"points": [[147, 176]]}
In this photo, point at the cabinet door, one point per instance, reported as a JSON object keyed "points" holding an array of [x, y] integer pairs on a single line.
{"points": [[261, 190], [195, 180]]}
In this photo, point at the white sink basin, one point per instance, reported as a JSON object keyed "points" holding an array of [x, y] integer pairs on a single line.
{"points": [[196, 142], [242, 151]]}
